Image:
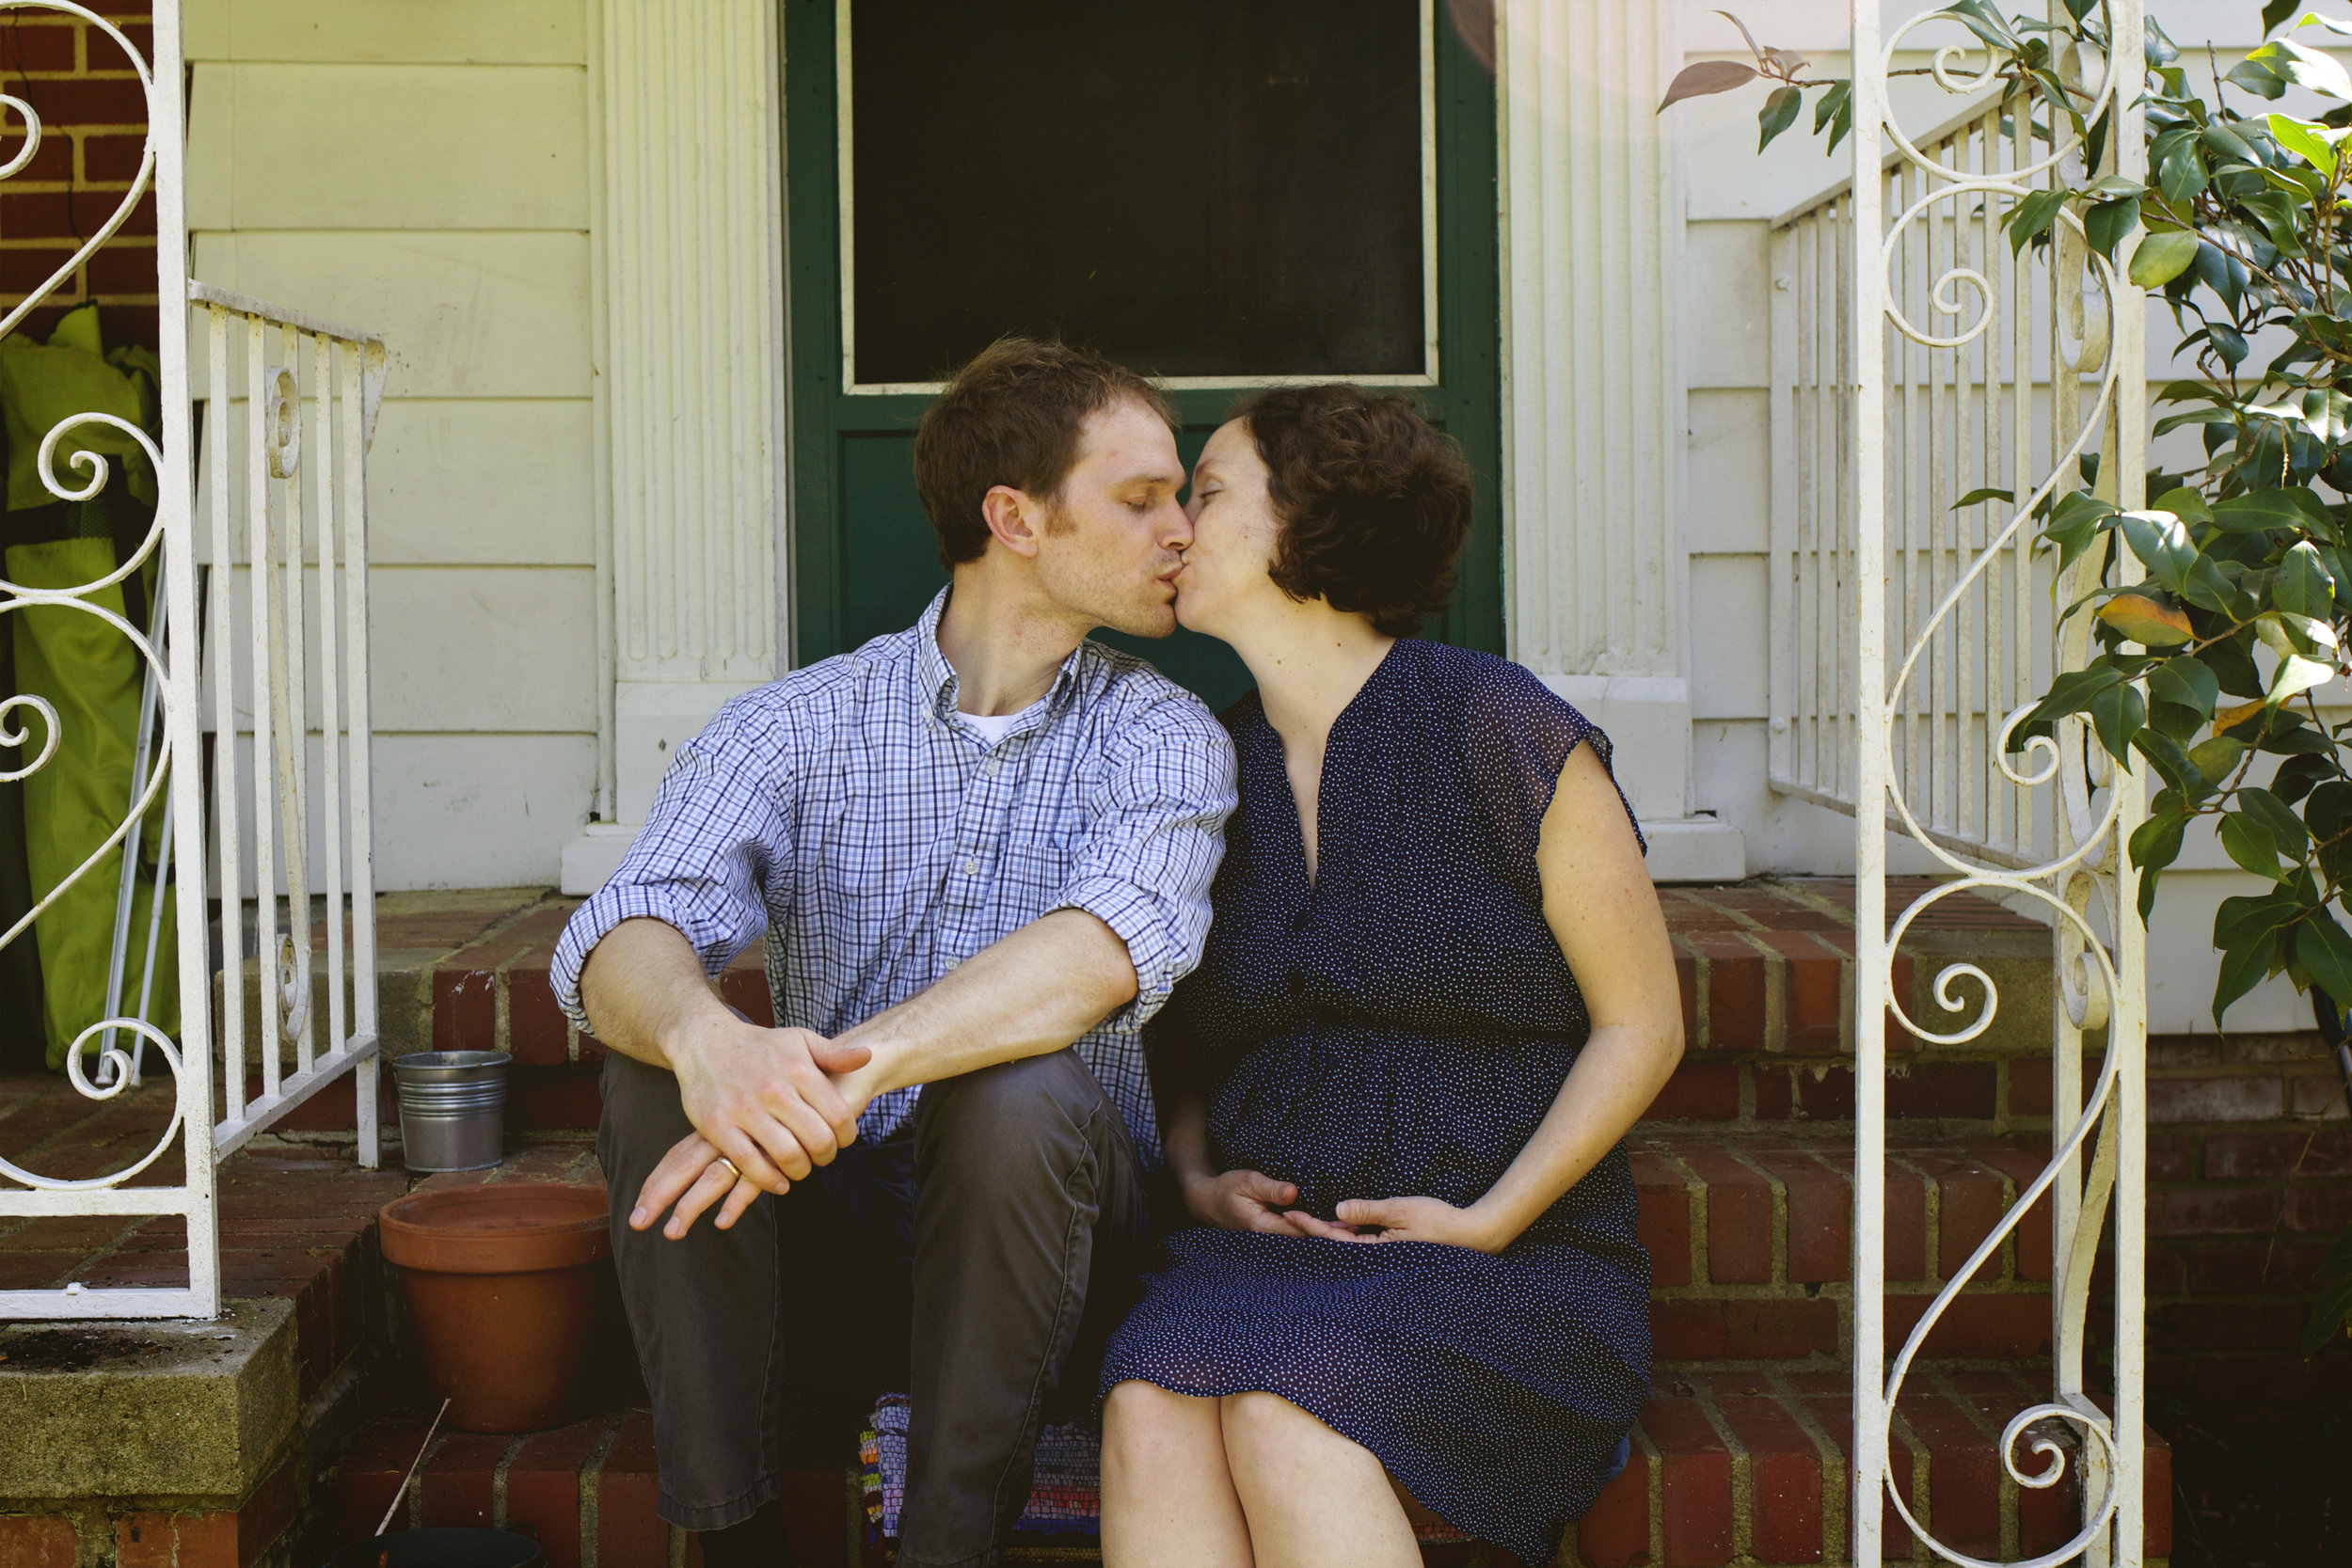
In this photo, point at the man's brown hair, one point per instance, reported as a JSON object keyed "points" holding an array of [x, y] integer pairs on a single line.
{"points": [[1012, 416]]}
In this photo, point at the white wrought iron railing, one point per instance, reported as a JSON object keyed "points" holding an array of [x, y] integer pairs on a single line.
{"points": [[290, 407], [1919, 362]]}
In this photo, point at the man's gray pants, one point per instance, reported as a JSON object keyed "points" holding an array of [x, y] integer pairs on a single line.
{"points": [[976, 1259]]}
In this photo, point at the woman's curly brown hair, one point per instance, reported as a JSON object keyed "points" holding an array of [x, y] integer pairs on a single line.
{"points": [[1375, 503]]}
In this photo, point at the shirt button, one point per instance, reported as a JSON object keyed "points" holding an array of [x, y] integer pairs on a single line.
{"points": [[993, 765], [971, 867]]}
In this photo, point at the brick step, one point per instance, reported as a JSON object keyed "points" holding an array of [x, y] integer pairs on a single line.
{"points": [[1728, 1467], [1765, 969], [1750, 1236]]}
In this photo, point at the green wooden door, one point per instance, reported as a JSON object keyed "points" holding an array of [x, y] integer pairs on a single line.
{"points": [[1218, 191]]}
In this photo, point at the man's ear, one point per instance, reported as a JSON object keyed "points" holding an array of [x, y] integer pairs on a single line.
{"points": [[1015, 517]]}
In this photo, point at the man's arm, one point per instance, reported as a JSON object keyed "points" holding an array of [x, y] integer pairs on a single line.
{"points": [[1027, 994], [762, 1097]]}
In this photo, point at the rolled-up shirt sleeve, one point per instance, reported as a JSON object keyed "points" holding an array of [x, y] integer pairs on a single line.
{"points": [[1155, 832], [714, 853]]}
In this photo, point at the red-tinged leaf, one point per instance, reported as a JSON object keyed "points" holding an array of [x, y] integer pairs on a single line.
{"points": [[1708, 76], [2146, 621]]}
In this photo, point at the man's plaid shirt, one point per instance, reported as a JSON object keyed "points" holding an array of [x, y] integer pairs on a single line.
{"points": [[850, 814]]}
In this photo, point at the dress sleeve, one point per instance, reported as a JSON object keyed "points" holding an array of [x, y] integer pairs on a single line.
{"points": [[1155, 835], [1516, 736], [715, 853]]}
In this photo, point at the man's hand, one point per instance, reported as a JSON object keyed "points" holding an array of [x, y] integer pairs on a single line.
{"points": [[764, 1098], [1242, 1200], [692, 1177]]}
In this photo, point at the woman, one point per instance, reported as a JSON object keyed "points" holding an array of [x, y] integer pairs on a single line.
{"points": [[1438, 992]]}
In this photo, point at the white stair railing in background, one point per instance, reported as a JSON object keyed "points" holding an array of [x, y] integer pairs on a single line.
{"points": [[1917, 361], [287, 551]]}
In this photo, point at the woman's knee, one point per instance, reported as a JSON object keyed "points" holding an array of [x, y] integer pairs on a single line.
{"points": [[1146, 1426], [1269, 1437]]}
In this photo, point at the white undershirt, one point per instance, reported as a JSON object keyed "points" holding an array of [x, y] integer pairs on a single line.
{"points": [[993, 727]]}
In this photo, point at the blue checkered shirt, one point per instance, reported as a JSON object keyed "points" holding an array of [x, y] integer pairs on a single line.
{"points": [[849, 813]]}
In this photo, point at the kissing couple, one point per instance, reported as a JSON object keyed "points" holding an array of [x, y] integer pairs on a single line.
{"points": [[1258, 1082]]}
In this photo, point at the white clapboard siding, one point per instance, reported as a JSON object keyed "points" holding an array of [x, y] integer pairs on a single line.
{"points": [[447, 147]]}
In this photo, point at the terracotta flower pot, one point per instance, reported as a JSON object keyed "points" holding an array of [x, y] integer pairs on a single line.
{"points": [[500, 1281]]}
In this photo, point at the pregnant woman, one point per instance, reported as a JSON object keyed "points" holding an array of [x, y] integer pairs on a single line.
{"points": [[1438, 992]]}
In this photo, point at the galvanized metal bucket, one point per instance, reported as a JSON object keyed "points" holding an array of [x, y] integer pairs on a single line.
{"points": [[453, 1108]]}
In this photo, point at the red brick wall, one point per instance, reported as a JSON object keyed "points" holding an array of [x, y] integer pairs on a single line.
{"points": [[2249, 1174], [93, 115]]}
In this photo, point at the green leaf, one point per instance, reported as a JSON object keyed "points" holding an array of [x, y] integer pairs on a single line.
{"points": [[2180, 170], [1778, 112], [2164, 754], [2033, 216], [2242, 970], [2275, 12], [2107, 223], [1978, 498], [2248, 843], [1839, 99], [2159, 259], [2303, 584], [2188, 681], [2117, 715], [2257, 77], [2286, 829], [2227, 341], [2144, 619], [2073, 523], [2207, 589], [2297, 776], [2306, 67], [2316, 145], [2185, 504], [2162, 544], [2214, 758], [2228, 144], [2260, 510], [2325, 948], [2294, 677], [2242, 920]]}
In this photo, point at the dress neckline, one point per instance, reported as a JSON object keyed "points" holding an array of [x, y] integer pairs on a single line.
{"points": [[1296, 838]]}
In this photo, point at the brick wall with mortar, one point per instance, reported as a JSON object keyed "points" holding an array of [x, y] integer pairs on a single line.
{"points": [[93, 128]]}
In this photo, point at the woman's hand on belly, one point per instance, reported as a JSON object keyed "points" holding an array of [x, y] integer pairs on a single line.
{"points": [[1412, 1219], [1243, 1200]]}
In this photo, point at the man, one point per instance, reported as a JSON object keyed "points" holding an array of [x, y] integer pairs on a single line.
{"points": [[982, 851]]}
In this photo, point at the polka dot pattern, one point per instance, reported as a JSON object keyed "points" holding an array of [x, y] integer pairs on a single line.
{"points": [[1400, 1026]]}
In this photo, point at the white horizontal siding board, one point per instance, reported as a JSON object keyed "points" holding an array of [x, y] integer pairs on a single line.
{"points": [[542, 32], [423, 147], [1727, 637], [462, 482], [460, 649], [1728, 470], [462, 315], [486, 484], [483, 648], [1725, 275], [459, 810]]}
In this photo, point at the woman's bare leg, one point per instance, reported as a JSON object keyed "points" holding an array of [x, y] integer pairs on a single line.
{"points": [[1311, 1496], [1168, 1498]]}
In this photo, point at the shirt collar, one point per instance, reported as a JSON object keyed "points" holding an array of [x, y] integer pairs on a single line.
{"points": [[939, 684]]}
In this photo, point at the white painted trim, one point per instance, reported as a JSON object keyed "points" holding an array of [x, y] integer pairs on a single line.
{"points": [[845, 122], [692, 368]]}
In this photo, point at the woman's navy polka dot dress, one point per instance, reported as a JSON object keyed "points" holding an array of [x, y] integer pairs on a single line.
{"points": [[1399, 1026]]}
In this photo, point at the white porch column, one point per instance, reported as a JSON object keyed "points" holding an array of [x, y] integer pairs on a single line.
{"points": [[690, 385], [1593, 399]]}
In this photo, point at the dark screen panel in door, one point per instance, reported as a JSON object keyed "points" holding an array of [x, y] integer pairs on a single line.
{"points": [[1194, 187]]}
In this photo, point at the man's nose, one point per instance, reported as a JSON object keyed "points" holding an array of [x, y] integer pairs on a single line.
{"points": [[1176, 529]]}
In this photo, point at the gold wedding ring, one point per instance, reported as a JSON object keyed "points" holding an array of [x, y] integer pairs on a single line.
{"points": [[731, 1167]]}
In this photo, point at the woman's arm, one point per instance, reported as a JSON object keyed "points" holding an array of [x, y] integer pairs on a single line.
{"points": [[1233, 1199], [1603, 911]]}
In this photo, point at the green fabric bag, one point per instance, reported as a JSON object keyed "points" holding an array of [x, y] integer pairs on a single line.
{"points": [[91, 674], [42, 385]]}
